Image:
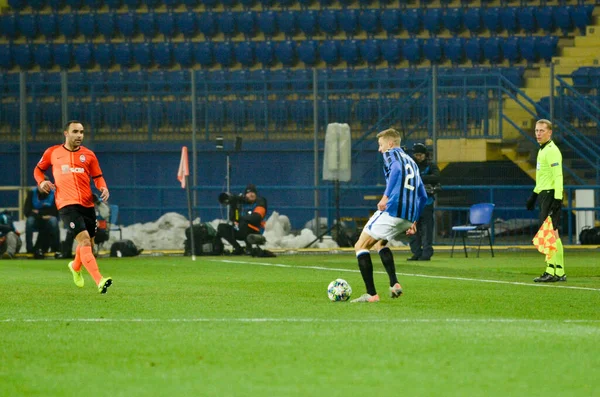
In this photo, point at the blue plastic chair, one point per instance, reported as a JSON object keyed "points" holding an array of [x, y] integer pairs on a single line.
{"points": [[48, 25], [84, 55], [227, 23], [163, 54], [432, 21], [328, 22], [127, 24], [224, 54], [67, 25], [473, 20], [265, 53], [183, 54], [87, 25], [369, 21], [244, 53], [43, 56], [246, 23], [370, 51], [204, 53], [288, 22], [308, 52], [285, 51], [480, 220], [104, 55], [147, 24], [349, 52], [106, 24], [307, 20], [166, 24], [348, 19], [330, 52], [187, 24], [207, 23], [267, 23], [390, 20]]}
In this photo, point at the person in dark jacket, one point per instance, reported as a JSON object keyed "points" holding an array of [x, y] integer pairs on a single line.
{"points": [[421, 243], [10, 242], [41, 216]]}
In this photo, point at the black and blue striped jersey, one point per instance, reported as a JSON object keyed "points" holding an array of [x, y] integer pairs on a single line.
{"points": [[404, 187]]}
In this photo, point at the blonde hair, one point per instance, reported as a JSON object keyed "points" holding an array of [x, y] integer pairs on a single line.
{"points": [[547, 122], [390, 134]]}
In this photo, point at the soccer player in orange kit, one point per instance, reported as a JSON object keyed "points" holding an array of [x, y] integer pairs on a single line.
{"points": [[73, 166]]}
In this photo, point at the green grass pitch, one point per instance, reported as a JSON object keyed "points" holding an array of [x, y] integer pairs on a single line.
{"points": [[242, 326]]}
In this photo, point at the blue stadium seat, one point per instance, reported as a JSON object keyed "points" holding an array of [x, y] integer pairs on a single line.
{"points": [[147, 24], [43, 56], [302, 112], [84, 55], [10, 115], [370, 51], [123, 55], [127, 24], [582, 16], [348, 19], [191, 4], [340, 110], [349, 52], [285, 51], [74, 4], [547, 46], [526, 19], [288, 23], [184, 55], [244, 53], [473, 20], [283, 3], [265, 53], [166, 24], [247, 4], [454, 50], [171, 4], [224, 54], [106, 24], [369, 21], [511, 50], [366, 111], [210, 3], [93, 4], [304, 4], [453, 20], [308, 52], [412, 20], [227, 23], [51, 114], [97, 81], [216, 109], [391, 20], [236, 111], [492, 50], [325, 3], [87, 26], [267, 23], [207, 23], [113, 114], [163, 54], [178, 80], [228, 3], [474, 49], [280, 80], [132, 4], [239, 80], [187, 23], [152, 4], [104, 55], [328, 22], [492, 19], [259, 80], [204, 53], [63, 55], [544, 18], [6, 58], [246, 23], [56, 4], [433, 50], [136, 114], [329, 51], [135, 81], [48, 25], [432, 21], [280, 112], [529, 48], [508, 19], [412, 51], [307, 21], [67, 25], [581, 78], [113, 4], [391, 50], [362, 78], [562, 19], [257, 115], [302, 80], [8, 26], [77, 110]]}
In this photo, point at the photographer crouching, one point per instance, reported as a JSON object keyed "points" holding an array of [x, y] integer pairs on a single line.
{"points": [[247, 212]]}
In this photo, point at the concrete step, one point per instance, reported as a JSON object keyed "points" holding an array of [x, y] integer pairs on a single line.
{"points": [[578, 52], [590, 60], [587, 42]]}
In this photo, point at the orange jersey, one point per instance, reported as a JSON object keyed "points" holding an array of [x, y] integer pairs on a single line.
{"points": [[72, 171]]}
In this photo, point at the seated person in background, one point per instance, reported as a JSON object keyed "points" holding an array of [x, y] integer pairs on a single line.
{"points": [[10, 242], [102, 228], [254, 210], [41, 216]]}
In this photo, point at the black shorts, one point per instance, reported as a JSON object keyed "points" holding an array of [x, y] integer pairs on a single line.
{"points": [[546, 198], [78, 218]]}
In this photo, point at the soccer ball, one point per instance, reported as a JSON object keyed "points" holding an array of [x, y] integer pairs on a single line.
{"points": [[339, 290]]}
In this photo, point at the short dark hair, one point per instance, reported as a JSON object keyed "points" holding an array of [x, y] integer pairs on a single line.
{"points": [[68, 123]]}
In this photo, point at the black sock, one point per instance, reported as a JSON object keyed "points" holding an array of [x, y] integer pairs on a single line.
{"points": [[387, 258], [366, 270]]}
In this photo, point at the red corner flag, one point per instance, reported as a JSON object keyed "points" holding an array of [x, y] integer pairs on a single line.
{"points": [[184, 169], [544, 239]]}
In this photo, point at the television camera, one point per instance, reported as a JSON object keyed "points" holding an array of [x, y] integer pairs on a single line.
{"points": [[235, 202]]}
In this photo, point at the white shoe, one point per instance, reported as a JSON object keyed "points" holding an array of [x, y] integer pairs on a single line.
{"points": [[396, 291], [366, 298]]}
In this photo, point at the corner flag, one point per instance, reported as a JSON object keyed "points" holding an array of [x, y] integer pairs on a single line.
{"points": [[544, 240], [184, 169]]}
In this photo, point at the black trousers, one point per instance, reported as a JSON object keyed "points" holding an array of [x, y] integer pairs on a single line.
{"points": [[421, 243], [232, 235], [545, 200]]}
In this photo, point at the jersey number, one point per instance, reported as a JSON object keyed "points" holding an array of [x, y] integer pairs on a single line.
{"points": [[410, 174]]}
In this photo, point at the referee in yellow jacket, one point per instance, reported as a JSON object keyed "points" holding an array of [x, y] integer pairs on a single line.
{"points": [[549, 190]]}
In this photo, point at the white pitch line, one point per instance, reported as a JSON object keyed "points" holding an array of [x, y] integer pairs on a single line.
{"points": [[295, 320], [479, 280]]}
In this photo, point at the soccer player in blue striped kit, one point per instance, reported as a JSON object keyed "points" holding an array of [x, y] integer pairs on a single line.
{"points": [[397, 212]]}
